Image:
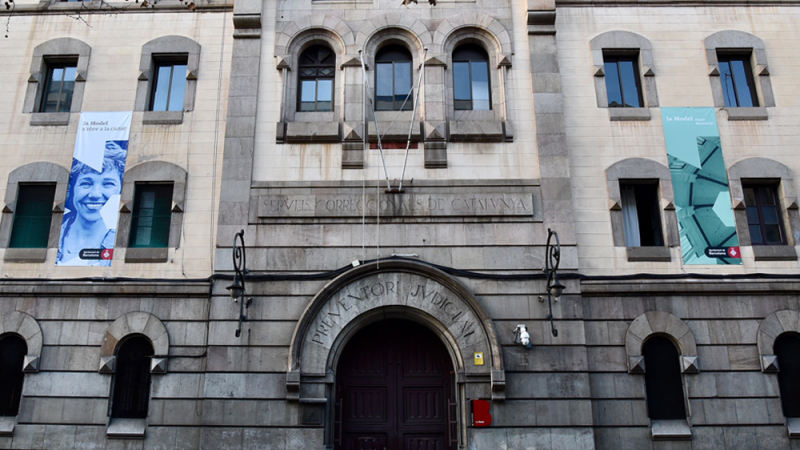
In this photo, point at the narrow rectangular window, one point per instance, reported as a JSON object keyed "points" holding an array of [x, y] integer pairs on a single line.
{"points": [[622, 80], [32, 216], [152, 214], [59, 85], [736, 75], [169, 84], [641, 214], [764, 214]]}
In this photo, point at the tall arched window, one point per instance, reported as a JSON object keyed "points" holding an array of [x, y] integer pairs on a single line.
{"points": [[662, 379], [132, 381], [393, 79], [787, 349], [316, 75], [12, 353], [471, 87]]}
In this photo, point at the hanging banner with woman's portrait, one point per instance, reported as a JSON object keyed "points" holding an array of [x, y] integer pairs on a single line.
{"points": [[89, 227]]}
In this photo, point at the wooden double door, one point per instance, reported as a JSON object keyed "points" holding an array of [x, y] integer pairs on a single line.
{"points": [[395, 390]]}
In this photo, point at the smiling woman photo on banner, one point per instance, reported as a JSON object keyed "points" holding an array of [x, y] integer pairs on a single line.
{"points": [[89, 227]]}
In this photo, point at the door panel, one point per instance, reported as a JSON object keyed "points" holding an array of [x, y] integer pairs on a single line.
{"points": [[394, 382]]}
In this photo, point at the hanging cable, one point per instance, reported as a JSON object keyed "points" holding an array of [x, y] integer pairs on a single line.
{"points": [[364, 161], [414, 115], [377, 128]]}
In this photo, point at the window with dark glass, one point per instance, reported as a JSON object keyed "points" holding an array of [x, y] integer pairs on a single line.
{"points": [[32, 216], [317, 72], [471, 89], [152, 214], [393, 79], [12, 354], [169, 83], [132, 380], [623, 84], [59, 85], [787, 349], [736, 74], [641, 214], [764, 214], [662, 379]]}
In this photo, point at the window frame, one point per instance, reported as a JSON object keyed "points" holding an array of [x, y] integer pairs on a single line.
{"points": [[166, 49], [656, 222], [316, 78], [55, 51], [726, 57], [33, 173], [24, 187], [759, 170], [733, 42], [136, 215], [173, 61], [391, 54], [151, 172], [125, 367], [51, 64], [479, 56], [641, 170], [772, 187], [618, 42], [616, 57]]}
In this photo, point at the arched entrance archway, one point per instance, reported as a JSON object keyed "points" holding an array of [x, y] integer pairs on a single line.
{"points": [[405, 290], [395, 389]]}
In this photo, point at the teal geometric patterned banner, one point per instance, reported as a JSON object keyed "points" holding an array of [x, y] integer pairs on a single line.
{"points": [[700, 181]]}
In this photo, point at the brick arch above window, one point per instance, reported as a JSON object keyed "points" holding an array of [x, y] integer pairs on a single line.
{"points": [[665, 324], [135, 323], [26, 327], [774, 325]]}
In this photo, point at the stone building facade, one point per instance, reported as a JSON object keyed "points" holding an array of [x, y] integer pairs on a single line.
{"points": [[393, 249]]}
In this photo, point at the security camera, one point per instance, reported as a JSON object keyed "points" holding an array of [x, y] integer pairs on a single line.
{"points": [[522, 336]]}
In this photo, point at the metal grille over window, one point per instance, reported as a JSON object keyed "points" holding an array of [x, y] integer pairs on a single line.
{"points": [[59, 86], [317, 72], [152, 215], [132, 381], [32, 217], [471, 87], [622, 80], [12, 354], [738, 86], [764, 215], [169, 86], [393, 81]]}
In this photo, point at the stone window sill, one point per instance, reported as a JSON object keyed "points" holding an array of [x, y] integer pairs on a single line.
{"points": [[670, 430], [49, 119], [628, 114], [476, 131], [126, 428], [36, 255], [774, 253], [751, 113], [793, 427], [162, 117], [655, 254], [146, 255], [7, 425], [312, 132]]}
